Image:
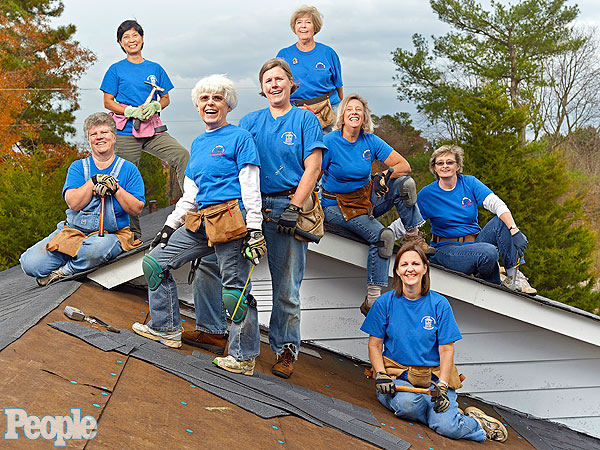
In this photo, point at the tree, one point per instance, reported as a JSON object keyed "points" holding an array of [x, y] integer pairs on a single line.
{"points": [[509, 45], [39, 69], [399, 132]]}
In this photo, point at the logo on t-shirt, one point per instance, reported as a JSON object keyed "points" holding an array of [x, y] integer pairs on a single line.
{"points": [[219, 150], [466, 201], [320, 66], [428, 322], [152, 79], [366, 155], [288, 138]]}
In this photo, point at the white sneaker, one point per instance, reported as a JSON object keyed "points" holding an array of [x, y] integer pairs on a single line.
{"points": [[230, 364], [520, 283], [494, 429], [55, 275], [169, 338]]}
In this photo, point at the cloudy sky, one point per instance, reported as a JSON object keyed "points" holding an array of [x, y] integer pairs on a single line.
{"points": [[192, 39]]}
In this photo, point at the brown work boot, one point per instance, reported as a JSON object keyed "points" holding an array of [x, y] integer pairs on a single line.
{"points": [[419, 239], [284, 367], [214, 343], [365, 307]]}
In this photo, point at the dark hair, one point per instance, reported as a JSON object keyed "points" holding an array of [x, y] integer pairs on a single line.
{"points": [[425, 281], [271, 64], [126, 26]]}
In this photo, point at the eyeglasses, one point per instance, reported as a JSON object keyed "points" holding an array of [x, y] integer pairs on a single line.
{"points": [[215, 98], [448, 163]]}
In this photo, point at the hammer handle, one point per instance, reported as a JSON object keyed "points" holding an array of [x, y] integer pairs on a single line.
{"points": [[412, 389], [101, 227]]}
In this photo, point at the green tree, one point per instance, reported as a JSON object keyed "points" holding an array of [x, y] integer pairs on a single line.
{"points": [[509, 44], [399, 132], [155, 179], [536, 186]]}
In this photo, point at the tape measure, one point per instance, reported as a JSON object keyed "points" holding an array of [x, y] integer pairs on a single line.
{"points": [[74, 313]]}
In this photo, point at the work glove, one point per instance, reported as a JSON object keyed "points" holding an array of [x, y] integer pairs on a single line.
{"points": [[520, 242], [384, 383], [150, 109], [442, 403], [255, 246], [134, 112], [288, 220], [105, 184], [379, 185], [162, 237]]}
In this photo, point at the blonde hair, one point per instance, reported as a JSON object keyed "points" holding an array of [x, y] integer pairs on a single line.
{"points": [[449, 150], [317, 17], [367, 125]]}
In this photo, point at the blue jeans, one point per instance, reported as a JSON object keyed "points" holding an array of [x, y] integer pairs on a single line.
{"points": [[38, 262], [211, 316], [410, 215], [419, 407], [481, 256], [185, 246], [287, 258]]}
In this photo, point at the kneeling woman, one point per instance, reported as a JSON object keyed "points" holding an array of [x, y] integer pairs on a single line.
{"points": [[417, 328], [351, 200], [222, 183]]}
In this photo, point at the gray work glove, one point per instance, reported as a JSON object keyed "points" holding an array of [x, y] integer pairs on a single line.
{"points": [[520, 241], [134, 112], [255, 246], [288, 220], [379, 185], [384, 383], [105, 184], [162, 237], [442, 403], [150, 109]]}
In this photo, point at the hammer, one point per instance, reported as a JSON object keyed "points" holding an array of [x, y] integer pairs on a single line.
{"points": [[155, 87]]}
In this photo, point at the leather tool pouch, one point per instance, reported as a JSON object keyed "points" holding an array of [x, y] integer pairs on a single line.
{"points": [[355, 203], [419, 376], [222, 222], [324, 112], [311, 217]]}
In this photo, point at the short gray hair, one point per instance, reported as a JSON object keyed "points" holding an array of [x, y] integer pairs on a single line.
{"points": [[305, 10], [447, 150], [97, 119], [367, 125], [213, 84]]}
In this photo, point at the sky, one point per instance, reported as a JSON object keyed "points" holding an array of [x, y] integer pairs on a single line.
{"points": [[193, 39]]}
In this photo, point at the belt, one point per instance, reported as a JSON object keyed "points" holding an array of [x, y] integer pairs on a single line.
{"points": [[329, 195], [468, 238], [285, 193], [312, 101]]}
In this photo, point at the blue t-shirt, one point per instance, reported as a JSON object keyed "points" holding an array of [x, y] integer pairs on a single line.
{"points": [[347, 165], [412, 330], [129, 178], [283, 145], [316, 72], [216, 159], [453, 213], [125, 80]]}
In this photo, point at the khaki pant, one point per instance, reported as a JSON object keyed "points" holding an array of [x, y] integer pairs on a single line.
{"points": [[163, 146]]}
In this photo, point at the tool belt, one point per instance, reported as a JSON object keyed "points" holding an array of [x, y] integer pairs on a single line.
{"points": [[69, 240], [354, 203], [223, 222], [468, 238], [320, 106], [420, 376], [311, 217]]}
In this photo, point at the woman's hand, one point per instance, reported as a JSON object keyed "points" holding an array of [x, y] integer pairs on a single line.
{"points": [[384, 383], [520, 241]]}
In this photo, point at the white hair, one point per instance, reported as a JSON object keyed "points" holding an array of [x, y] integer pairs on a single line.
{"points": [[214, 84]]}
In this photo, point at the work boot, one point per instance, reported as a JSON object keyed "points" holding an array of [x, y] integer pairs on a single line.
{"points": [[419, 239], [284, 367], [230, 364], [169, 338], [520, 283], [214, 343], [55, 275], [494, 429], [364, 307]]}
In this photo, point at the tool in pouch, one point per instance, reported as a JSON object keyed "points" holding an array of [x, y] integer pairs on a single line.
{"points": [[76, 314]]}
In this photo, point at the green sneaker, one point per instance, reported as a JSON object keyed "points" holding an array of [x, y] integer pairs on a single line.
{"points": [[230, 364], [169, 338]]}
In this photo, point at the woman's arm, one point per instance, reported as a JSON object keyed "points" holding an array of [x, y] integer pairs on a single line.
{"points": [[446, 360], [78, 198], [375, 354], [128, 202], [398, 163], [112, 105], [312, 169], [164, 100], [340, 92]]}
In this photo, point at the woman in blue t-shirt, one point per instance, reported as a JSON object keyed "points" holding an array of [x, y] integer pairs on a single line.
{"points": [[412, 331], [315, 67], [450, 203], [352, 201]]}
